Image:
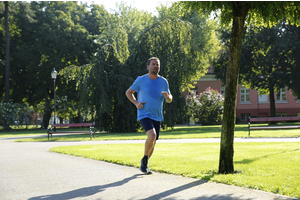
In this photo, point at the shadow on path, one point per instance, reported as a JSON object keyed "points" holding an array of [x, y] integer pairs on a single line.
{"points": [[87, 191], [176, 190]]}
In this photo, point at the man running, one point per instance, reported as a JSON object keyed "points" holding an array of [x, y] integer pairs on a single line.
{"points": [[152, 89]]}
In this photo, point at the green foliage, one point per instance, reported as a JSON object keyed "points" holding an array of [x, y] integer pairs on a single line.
{"points": [[207, 107], [211, 109], [185, 46], [133, 21], [260, 12], [115, 35], [292, 38], [98, 55], [10, 113], [266, 55], [101, 87], [176, 42], [268, 61]]}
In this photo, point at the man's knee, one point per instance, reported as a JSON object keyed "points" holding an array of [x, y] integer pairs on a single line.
{"points": [[151, 135]]}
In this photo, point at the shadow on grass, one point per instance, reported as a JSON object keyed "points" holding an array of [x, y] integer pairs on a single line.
{"points": [[194, 129], [247, 161]]}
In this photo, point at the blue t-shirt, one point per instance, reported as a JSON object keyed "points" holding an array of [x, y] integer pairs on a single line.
{"points": [[149, 91]]}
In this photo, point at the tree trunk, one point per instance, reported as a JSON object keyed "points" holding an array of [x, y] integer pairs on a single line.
{"points": [[46, 118], [240, 10], [6, 52], [272, 105]]}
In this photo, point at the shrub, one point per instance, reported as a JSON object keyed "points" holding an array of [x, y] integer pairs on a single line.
{"points": [[207, 107], [10, 113]]}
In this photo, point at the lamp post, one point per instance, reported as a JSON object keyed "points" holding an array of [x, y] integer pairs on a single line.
{"points": [[257, 104], [54, 74], [261, 78]]}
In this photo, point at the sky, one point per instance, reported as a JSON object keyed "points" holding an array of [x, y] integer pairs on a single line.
{"points": [[146, 5]]}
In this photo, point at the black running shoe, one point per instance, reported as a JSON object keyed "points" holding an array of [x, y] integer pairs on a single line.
{"points": [[148, 171], [144, 168]]}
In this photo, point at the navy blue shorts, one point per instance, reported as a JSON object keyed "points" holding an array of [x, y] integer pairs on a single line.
{"points": [[148, 124]]}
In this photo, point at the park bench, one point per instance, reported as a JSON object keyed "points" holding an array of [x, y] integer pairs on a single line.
{"points": [[52, 130], [272, 119]]}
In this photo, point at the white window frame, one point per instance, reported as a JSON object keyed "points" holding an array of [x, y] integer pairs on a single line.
{"points": [[281, 96], [244, 94], [264, 98]]}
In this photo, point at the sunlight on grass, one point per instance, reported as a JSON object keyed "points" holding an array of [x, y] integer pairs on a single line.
{"points": [[13, 134], [272, 167], [182, 132]]}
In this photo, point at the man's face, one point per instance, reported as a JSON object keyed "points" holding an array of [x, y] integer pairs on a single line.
{"points": [[154, 67]]}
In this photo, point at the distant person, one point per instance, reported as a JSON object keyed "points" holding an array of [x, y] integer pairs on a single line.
{"points": [[151, 90]]}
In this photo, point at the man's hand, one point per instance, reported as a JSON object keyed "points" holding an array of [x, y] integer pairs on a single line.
{"points": [[167, 96], [139, 105]]}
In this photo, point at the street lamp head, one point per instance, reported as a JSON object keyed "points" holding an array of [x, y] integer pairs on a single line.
{"points": [[54, 73]]}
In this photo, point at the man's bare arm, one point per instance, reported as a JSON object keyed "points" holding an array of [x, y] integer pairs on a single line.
{"points": [[129, 93], [168, 97]]}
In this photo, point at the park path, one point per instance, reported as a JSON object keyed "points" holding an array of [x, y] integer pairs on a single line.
{"points": [[29, 171]]}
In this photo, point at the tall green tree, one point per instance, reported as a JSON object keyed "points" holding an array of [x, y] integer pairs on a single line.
{"points": [[103, 82], [292, 37], [133, 21], [266, 65], [9, 31], [48, 39], [238, 13], [184, 45], [267, 62], [7, 45]]}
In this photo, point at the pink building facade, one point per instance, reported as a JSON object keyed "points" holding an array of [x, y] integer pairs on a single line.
{"points": [[249, 103]]}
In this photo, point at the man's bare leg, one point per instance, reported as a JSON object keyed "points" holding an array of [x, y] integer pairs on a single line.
{"points": [[150, 142], [152, 150], [149, 148]]}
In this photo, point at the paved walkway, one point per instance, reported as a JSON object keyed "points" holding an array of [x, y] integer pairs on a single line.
{"points": [[29, 171]]}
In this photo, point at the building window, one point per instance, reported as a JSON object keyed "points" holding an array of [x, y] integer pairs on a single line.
{"points": [[222, 90], [263, 98], [245, 116], [281, 96], [245, 95], [281, 114]]}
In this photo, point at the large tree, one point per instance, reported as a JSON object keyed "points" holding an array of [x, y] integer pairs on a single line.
{"points": [[183, 44], [238, 13], [47, 35], [292, 36], [7, 52], [266, 65], [267, 62]]}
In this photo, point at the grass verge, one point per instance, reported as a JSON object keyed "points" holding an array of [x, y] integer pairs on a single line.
{"points": [[184, 132], [271, 167]]}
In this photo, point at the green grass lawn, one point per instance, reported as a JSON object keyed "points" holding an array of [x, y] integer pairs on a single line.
{"points": [[183, 132], [271, 167], [13, 134]]}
